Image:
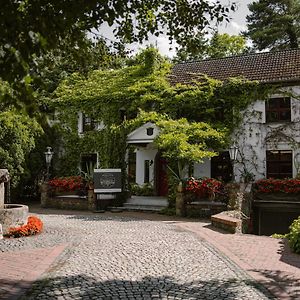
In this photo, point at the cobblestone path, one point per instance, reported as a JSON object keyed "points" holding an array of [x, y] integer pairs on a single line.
{"points": [[122, 258]]}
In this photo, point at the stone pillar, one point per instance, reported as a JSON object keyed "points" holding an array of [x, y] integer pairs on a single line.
{"points": [[44, 194], [91, 198], [180, 203], [4, 177]]}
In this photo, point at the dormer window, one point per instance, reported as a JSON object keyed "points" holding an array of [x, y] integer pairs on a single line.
{"points": [[278, 110]]}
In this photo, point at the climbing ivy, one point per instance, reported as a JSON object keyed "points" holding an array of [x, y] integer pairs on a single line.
{"points": [[200, 117]]}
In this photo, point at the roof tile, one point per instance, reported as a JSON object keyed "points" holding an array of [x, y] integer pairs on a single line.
{"points": [[268, 67]]}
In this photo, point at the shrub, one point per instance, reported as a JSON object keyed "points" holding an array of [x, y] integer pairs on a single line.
{"points": [[144, 190], [70, 183], [289, 186], [294, 236], [34, 226]]}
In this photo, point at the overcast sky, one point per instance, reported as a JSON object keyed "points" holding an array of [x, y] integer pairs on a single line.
{"points": [[234, 27]]}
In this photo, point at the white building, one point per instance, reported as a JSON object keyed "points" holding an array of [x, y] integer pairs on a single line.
{"points": [[268, 138]]}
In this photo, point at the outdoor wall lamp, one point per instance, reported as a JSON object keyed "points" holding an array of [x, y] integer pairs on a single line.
{"points": [[233, 152], [48, 157]]}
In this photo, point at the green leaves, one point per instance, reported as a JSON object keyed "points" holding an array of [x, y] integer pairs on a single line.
{"points": [[274, 24], [17, 136]]}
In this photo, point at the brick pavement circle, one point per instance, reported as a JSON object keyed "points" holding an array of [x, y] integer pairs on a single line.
{"points": [[123, 258]]}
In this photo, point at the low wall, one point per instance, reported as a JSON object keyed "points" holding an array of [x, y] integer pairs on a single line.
{"points": [[13, 215], [69, 202], [72, 202], [226, 223], [204, 209]]}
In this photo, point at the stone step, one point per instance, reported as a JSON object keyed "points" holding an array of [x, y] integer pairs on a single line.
{"points": [[152, 201], [142, 208]]}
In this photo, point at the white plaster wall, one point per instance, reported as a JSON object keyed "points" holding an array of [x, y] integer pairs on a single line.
{"points": [[202, 169], [140, 134], [143, 154], [255, 136]]}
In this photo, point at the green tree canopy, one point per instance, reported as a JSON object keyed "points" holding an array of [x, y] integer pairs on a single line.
{"points": [[274, 24], [219, 45], [17, 139], [29, 28]]}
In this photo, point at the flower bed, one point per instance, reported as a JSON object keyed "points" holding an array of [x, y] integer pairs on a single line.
{"points": [[204, 188], [34, 226], [287, 186], [68, 184]]}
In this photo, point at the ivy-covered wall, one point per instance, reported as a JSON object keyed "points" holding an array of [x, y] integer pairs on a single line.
{"points": [[255, 136], [196, 120]]}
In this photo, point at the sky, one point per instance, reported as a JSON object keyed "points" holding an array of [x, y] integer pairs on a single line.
{"points": [[234, 27]]}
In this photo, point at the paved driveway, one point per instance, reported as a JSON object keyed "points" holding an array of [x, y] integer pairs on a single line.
{"points": [[123, 258]]}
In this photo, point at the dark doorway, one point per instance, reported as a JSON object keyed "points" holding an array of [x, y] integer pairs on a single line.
{"points": [[221, 167], [161, 176]]}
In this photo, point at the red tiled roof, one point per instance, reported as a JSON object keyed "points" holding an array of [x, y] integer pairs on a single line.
{"points": [[269, 67]]}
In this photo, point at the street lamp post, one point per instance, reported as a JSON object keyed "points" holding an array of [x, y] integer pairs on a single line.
{"points": [[48, 157], [233, 152]]}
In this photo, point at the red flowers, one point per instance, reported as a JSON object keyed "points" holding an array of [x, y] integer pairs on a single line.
{"points": [[289, 186], [34, 226], [203, 188], [71, 183]]}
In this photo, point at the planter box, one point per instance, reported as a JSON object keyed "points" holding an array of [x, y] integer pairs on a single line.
{"points": [[59, 192], [278, 196], [71, 202], [204, 209]]}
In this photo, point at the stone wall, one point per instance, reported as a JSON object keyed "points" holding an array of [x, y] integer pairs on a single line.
{"points": [[70, 202]]}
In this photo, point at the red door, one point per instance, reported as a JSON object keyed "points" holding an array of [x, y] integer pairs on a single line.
{"points": [[161, 176]]}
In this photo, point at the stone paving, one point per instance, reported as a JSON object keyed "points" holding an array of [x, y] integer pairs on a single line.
{"points": [[124, 258]]}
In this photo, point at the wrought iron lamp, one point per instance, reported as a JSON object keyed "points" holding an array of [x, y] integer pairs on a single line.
{"points": [[48, 157], [233, 152]]}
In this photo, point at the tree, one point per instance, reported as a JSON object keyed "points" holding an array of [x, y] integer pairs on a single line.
{"points": [[185, 143], [17, 139], [29, 28], [222, 45], [218, 46], [274, 24]]}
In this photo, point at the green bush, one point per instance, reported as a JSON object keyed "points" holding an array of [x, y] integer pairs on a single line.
{"points": [[294, 236], [144, 190]]}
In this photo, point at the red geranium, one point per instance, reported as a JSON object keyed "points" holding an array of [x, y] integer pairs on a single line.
{"points": [[289, 186], [203, 187], [70, 183]]}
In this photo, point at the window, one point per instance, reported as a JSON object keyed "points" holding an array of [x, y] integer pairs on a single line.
{"points": [[88, 123], [147, 171], [221, 167], [279, 164], [278, 110]]}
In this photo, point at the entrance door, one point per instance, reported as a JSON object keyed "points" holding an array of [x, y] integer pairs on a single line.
{"points": [[161, 177], [221, 167]]}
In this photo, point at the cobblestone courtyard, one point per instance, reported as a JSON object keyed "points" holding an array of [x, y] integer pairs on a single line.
{"points": [[123, 258]]}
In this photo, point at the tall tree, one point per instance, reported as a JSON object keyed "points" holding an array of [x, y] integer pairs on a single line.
{"points": [[219, 45], [274, 24]]}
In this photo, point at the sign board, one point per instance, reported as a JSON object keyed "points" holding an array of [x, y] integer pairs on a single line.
{"points": [[107, 181]]}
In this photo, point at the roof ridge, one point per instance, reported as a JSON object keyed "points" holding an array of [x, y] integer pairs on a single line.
{"points": [[236, 56]]}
